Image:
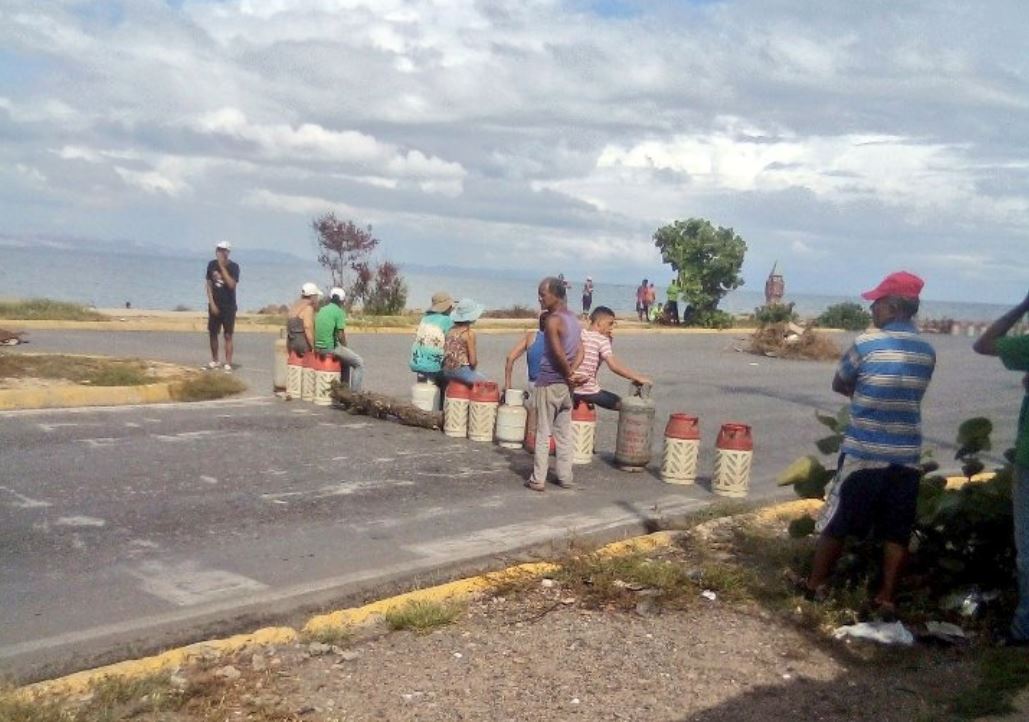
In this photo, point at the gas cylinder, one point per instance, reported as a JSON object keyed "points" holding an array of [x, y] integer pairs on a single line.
{"points": [[327, 369], [584, 431], [734, 454], [307, 380], [482, 410], [281, 356], [425, 396], [635, 429], [682, 446], [455, 410], [511, 419], [294, 375]]}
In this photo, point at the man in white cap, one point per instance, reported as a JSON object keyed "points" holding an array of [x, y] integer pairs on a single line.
{"points": [[221, 279], [330, 336], [300, 319]]}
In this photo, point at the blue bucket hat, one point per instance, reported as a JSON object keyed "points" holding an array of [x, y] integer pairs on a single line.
{"points": [[466, 310]]}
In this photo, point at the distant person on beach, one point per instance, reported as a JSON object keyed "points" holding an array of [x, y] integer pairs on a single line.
{"points": [[651, 301], [330, 336], [1014, 354], [460, 356], [672, 306], [220, 280], [587, 296], [300, 319], [430, 338], [596, 349], [885, 374], [552, 394], [642, 310]]}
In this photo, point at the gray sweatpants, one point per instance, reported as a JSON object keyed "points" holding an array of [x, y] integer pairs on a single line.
{"points": [[553, 417]]}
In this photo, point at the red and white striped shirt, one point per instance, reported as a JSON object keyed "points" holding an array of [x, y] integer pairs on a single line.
{"points": [[596, 347]]}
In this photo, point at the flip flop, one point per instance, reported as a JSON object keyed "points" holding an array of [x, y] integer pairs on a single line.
{"points": [[535, 485]]}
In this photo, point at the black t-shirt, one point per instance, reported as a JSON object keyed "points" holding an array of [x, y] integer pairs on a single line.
{"points": [[224, 297]]}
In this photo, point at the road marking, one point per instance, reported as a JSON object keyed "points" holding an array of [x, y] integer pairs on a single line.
{"points": [[275, 472], [208, 480], [383, 460], [52, 427], [343, 488], [339, 458], [184, 435], [100, 442], [352, 425], [132, 425], [80, 521], [23, 502], [188, 583]]}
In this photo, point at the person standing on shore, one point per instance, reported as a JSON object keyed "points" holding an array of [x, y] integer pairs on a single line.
{"points": [[1014, 354], [885, 374], [587, 296], [552, 395], [672, 307], [642, 310], [220, 280]]}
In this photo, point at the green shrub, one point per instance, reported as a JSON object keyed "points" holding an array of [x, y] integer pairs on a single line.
{"points": [[714, 318], [515, 311], [422, 616], [45, 309], [206, 386], [775, 313], [848, 316]]}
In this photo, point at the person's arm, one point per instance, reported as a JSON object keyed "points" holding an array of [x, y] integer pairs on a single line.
{"points": [[987, 343], [579, 356], [473, 359], [308, 316], [840, 386], [230, 280], [513, 355], [210, 298], [845, 379], [624, 371]]}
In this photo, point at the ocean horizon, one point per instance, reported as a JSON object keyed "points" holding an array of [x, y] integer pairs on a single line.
{"points": [[162, 282]]}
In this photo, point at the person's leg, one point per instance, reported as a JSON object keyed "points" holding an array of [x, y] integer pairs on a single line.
{"points": [[563, 433], [1020, 499], [229, 327], [894, 557], [213, 328], [541, 456], [228, 349], [827, 553], [896, 507], [846, 513], [352, 361]]}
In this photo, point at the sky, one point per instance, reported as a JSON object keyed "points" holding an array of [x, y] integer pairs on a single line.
{"points": [[842, 140]]}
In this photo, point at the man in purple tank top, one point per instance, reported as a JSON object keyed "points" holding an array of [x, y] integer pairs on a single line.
{"points": [[553, 392]]}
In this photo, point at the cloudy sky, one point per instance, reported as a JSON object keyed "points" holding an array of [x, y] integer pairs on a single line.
{"points": [[844, 140]]}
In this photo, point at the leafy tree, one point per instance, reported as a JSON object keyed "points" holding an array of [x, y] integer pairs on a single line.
{"points": [[343, 250], [388, 295], [707, 261], [848, 316]]}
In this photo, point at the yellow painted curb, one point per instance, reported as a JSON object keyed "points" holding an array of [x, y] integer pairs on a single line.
{"points": [[69, 396]]}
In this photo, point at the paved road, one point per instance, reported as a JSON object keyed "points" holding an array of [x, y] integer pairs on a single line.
{"points": [[125, 529]]}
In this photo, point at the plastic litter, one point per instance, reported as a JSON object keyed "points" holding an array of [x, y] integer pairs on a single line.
{"points": [[881, 632], [709, 595], [967, 602], [946, 632]]}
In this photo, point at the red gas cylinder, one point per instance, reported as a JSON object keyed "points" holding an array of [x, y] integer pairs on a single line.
{"points": [[682, 448], [307, 381], [455, 409], [733, 459], [482, 410], [584, 432], [327, 369], [483, 392], [682, 426], [294, 375]]}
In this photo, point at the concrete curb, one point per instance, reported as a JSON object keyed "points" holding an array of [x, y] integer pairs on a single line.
{"points": [[73, 396], [459, 590]]}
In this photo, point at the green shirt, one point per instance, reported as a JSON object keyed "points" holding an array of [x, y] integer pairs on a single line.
{"points": [[329, 319], [1014, 352], [673, 291]]}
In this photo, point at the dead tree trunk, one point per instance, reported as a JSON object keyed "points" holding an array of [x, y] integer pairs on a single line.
{"points": [[380, 406]]}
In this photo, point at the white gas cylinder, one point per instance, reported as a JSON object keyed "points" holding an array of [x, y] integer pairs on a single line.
{"points": [[425, 396], [511, 419]]}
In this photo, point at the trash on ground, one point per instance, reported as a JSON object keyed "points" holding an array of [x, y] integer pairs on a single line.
{"points": [[882, 632], [967, 602], [708, 594], [945, 632]]}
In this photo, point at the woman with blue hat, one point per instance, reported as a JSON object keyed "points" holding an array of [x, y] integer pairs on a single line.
{"points": [[459, 356]]}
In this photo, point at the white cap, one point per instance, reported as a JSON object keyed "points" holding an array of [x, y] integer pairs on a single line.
{"points": [[224, 246], [310, 289], [337, 292]]}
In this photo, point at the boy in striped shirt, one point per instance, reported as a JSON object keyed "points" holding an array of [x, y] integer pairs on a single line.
{"points": [[596, 349], [885, 374]]}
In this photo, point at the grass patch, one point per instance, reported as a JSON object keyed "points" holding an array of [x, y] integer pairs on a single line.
{"points": [[600, 580], [86, 370], [206, 386], [338, 636], [1002, 674], [112, 698], [45, 309], [515, 311], [421, 616]]}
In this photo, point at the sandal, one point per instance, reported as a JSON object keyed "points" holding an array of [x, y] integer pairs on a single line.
{"points": [[535, 485], [800, 587]]}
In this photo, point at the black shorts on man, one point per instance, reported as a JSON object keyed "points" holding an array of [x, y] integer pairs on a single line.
{"points": [[881, 500], [603, 399], [225, 320]]}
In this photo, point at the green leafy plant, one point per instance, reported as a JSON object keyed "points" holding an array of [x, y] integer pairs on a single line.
{"points": [[848, 316], [775, 313]]}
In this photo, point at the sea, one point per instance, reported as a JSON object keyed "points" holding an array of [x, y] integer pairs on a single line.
{"points": [[163, 282]]}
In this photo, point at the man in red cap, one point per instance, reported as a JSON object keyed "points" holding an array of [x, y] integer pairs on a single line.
{"points": [[885, 374]]}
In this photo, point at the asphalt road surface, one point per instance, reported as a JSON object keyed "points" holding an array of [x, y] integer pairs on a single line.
{"points": [[127, 529]]}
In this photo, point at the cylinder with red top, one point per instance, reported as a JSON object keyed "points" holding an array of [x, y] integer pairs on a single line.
{"points": [[327, 369], [482, 410], [455, 409], [635, 429], [294, 375], [733, 458], [682, 448], [584, 432], [307, 382]]}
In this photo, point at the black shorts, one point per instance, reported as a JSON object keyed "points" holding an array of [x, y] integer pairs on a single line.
{"points": [[224, 320], [603, 399], [881, 500]]}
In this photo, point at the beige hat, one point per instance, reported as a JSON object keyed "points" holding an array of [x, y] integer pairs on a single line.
{"points": [[310, 289], [441, 301]]}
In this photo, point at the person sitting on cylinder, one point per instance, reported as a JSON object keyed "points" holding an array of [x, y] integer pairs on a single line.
{"points": [[300, 320], [330, 336], [430, 339], [459, 353], [596, 349]]}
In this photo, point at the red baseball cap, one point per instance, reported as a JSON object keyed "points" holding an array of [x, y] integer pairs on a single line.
{"points": [[901, 283]]}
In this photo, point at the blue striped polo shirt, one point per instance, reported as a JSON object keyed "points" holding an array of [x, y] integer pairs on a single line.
{"points": [[890, 369]]}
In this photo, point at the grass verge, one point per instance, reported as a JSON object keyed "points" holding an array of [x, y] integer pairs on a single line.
{"points": [[45, 309], [86, 370], [113, 698], [422, 616], [338, 636], [1003, 673], [206, 386]]}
